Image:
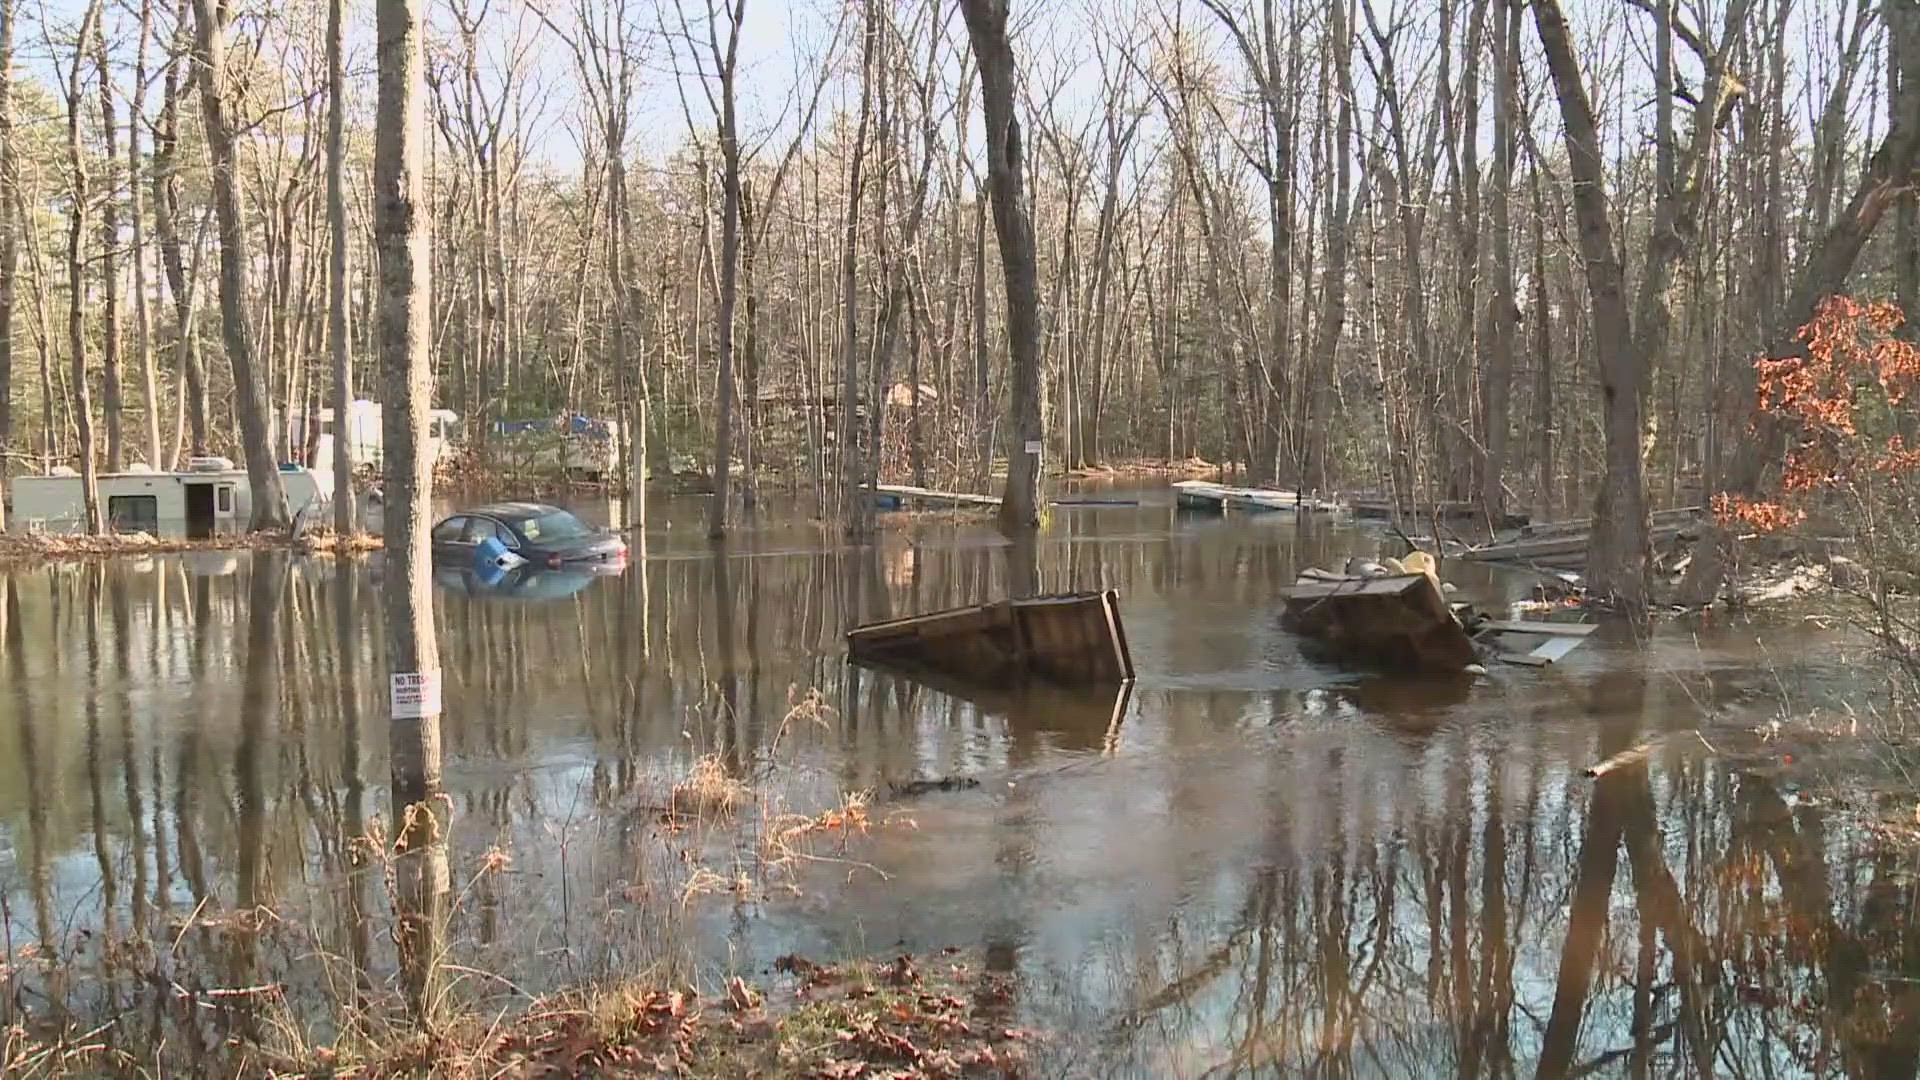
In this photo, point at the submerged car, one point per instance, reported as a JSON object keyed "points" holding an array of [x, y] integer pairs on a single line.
{"points": [[544, 536], [522, 583]]}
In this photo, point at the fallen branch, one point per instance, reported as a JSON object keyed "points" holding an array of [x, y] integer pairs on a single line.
{"points": [[1637, 754]]}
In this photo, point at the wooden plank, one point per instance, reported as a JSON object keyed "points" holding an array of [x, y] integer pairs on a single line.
{"points": [[1524, 660], [902, 493], [1549, 629], [1550, 548], [1378, 586], [1556, 648]]}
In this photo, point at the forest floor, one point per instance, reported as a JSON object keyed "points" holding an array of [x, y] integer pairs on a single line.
{"points": [[938, 1016], [51, 548]]}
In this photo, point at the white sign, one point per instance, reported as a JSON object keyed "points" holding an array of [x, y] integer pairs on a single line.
{"points": [[1033, 446], [415, 694]]}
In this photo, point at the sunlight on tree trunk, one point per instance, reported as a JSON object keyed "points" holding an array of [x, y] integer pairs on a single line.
{"points": [[413, 657]]}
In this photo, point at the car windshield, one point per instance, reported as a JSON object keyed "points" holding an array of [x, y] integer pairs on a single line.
{"points": [[559, 525]]}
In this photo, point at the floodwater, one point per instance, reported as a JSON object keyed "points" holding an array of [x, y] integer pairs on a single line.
{"points": [[1249, 863]]}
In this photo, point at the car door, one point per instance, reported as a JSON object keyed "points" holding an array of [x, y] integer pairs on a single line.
{"points": [[447, 537]]}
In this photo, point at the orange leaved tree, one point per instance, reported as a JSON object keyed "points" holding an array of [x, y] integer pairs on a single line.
{"points": [[1845, 397]]}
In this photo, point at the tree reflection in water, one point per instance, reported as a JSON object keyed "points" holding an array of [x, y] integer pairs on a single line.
{"points": [[1246, 864]]}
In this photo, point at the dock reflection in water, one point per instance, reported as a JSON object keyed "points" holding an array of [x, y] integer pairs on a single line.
{"points": [[1248, 862]]}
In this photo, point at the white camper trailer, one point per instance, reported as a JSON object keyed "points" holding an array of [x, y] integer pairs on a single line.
{"points": [[362, 431], [208, 498]]}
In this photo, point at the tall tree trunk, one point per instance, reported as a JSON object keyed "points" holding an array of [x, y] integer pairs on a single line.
{"points": [[847, 432], [9, 246], [1617, 553], [1542, 315], [136, 209], [1319, 381], [338, 346], [188, 364], [729, 272], [400, 217], [76, 278], [256, 422], [1496, 375], [110, 395], [1013, 226]]}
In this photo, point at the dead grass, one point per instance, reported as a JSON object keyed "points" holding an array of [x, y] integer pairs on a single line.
{"points": [[935, 1017], [709, 790], [17, 547]]}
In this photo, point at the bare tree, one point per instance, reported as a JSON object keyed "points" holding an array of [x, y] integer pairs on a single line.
{"points": [[76, 273], [256, 422], [182, 276], [110, 393], [9, 245], [339, 346], [1502, 311], [847, 435], [413, 656], [136, 211], [1013, 226], [725, 56]]}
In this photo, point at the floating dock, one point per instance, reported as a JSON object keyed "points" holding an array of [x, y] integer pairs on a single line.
{"points": [[1563, 544], [1214, 498], [898, 496]]}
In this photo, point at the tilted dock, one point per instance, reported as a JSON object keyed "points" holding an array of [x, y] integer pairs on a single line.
{"points": [[1071, 640]]}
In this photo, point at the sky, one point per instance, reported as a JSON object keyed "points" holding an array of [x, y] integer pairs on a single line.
{"points": [[783, 42]]}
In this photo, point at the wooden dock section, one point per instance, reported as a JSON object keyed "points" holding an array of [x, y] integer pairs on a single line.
{"points": [[1404, 623], [1563, 544], [1377, 508], [898, 496], [1214, 498], [1071, 640]]}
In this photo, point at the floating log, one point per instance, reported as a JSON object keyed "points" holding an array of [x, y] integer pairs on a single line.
{"points": [[1402, 622], [1071, 640]]}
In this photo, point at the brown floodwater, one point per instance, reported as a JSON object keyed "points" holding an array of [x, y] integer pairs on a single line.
{"points": [[1250, 862]]}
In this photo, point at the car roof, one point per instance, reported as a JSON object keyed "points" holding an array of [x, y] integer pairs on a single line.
{"points": [[514, 511]]}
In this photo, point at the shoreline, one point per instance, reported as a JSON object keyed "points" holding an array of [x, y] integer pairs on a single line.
{"points": [[31, 549]]}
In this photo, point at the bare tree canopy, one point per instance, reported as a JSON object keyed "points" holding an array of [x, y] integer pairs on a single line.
{"points": [[1403, 248]]}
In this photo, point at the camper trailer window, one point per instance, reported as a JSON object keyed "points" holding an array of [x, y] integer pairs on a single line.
{"points": [[133, 513], [223, 498]]}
